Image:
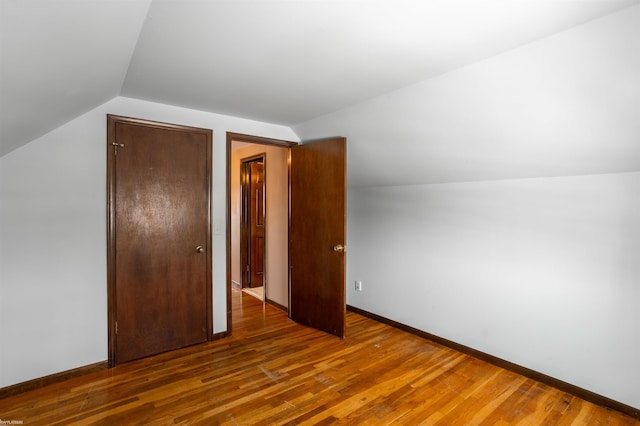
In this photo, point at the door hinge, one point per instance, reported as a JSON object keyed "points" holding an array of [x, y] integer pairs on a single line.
{"points": [[248, 268], [116, 327], [115, 147]]}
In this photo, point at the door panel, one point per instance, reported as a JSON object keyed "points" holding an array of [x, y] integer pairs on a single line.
{"points": [[252, 218], [245, 223], [257, 216], [160, 237], [318, 231]]}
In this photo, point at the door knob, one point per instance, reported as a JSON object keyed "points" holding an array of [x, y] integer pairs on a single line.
{"points": [[339, 248], [200, 249]]}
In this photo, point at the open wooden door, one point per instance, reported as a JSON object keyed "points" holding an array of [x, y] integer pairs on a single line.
{"points": [[318, 235], [257, 203], [252, 218]]}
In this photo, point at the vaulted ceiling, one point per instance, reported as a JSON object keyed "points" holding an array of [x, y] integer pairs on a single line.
{"points": [[279, 61]]}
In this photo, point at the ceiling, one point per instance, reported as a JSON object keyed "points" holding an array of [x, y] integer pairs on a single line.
{"points": [[279, 61]]}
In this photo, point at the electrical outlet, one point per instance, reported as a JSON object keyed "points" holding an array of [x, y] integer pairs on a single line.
{"points": [[358, 285]]}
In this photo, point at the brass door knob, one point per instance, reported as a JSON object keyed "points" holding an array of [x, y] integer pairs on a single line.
{"points": [[339, 248], [200, 249]]}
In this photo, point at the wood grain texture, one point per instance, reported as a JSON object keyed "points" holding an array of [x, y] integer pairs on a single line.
{"points": [[515, 368], [317, 295], [274, 371], [159, 237]]}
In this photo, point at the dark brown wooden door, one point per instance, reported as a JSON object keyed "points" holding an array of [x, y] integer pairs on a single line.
{"points": [[318, 235], [160, 283], [252, 218], [257, 217]]}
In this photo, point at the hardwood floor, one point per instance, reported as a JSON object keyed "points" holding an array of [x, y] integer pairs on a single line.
{"points": [[274, 371]]}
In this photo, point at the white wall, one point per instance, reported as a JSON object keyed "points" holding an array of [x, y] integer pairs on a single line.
{"points": [[53, 299], [540, 272], [277, 219], [543, 272]]}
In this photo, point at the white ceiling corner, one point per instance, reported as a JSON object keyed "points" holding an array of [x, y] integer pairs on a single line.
{"points": [[59, 59]]}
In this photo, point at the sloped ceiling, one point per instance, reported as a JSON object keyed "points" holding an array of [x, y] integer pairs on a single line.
{"points": [[279, 61], [565, 105], [59, 59]]}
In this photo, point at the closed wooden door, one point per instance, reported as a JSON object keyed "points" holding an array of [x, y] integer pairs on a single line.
{"points": [[318, 235], [159, 237]]}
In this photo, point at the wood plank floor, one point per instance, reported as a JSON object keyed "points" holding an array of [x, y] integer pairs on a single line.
{"points": [[273, 371]]}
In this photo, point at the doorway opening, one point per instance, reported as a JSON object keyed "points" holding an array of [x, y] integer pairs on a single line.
{"points": [[269, 269], [308, 263]]}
